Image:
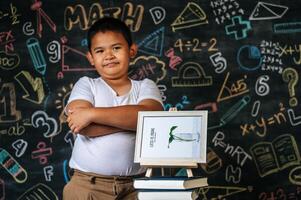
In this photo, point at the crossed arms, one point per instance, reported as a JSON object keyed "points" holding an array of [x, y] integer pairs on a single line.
{"points": [[92, 121]]}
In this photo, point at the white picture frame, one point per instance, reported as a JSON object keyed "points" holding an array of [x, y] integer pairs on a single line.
{"points": [[171, 138]]}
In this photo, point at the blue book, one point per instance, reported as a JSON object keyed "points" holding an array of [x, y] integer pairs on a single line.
{"points": [[169, 183]]}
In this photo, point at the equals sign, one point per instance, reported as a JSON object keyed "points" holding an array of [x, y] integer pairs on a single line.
{"points": [[204, 44]]}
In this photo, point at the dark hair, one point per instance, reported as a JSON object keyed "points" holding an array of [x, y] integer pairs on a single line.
{"points": [[109, 24]]}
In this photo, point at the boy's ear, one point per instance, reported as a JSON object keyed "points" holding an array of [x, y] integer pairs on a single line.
{"points": [[90, 58], [133, 50]]}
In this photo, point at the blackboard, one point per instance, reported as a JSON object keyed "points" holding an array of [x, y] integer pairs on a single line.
{"points": [[238, 59]]}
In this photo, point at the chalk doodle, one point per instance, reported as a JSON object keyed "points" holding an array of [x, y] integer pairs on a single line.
{"points": [[153, 43], [274, 11], [147, 67], [295, 120], [36, 55], [236, 28], [54, 49], [12, 166], [290, 27], [40, 119], [69, 52], [224, 10], [9, 61], [11, 13], [234, 151], [158, 14], [20, 146], [42, 153], [232, 112], [249, 57], [235, 89], [77, 14], [279, 154], [260, 126], [39, 191], [33, 87], [48, 172], [36, 6], [191, 74], [262, 88], [192, 15], [8, 104], [290, 75]]}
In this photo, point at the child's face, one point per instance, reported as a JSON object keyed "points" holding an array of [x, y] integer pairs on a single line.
{"points": [[110, 54]]}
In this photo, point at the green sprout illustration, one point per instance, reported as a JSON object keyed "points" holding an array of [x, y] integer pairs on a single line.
{"points": [[173, 137]]}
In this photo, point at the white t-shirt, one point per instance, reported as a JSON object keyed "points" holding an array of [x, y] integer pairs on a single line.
{"points": [[111, 154]]}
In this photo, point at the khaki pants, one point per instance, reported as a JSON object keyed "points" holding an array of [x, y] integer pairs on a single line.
{"points": [[90, 186]]}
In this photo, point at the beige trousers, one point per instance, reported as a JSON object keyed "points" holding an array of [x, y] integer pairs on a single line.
{"points": [[90, 186]]}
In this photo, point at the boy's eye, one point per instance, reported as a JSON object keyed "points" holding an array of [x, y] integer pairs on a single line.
{"points": [[116, 48], [99, 51]]}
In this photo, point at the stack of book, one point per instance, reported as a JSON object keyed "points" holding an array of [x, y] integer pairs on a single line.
{"points": [[167, 188]]}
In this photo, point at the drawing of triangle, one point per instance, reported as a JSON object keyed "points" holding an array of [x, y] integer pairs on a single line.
{"points": [[265, 11], [191, 16], [153, 43], [222, 191], [226, 93]]}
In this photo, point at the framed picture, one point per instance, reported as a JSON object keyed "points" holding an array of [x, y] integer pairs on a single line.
{"points": [[171, 138]]}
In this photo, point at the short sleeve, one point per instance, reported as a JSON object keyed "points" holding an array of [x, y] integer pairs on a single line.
{"points": [[82, 90], [149, 90]]}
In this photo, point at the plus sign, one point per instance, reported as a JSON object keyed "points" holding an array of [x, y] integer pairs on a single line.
{"points": [[238, 27], [290, 50]]}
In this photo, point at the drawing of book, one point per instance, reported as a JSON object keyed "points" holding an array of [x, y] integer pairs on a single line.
{"points": [[277, 155]]}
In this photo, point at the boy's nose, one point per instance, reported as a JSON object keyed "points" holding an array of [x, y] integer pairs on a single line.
{"points": [[109, 55]]}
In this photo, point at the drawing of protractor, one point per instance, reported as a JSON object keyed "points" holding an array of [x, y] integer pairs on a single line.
{"points": [[12, 166], [191, 74]]}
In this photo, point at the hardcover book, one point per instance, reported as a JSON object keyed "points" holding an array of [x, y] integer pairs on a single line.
{"points": [[168, 194], [170, 183]]}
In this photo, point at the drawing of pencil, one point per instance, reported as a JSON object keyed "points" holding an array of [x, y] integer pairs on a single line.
{"points": [[232, 112], [36, 55]]}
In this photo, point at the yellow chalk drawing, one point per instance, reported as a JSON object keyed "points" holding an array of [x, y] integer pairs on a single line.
{"points": [[192, 15], [236, 89], [191, 74], [33, 87], [222, 191], [271, 157]]}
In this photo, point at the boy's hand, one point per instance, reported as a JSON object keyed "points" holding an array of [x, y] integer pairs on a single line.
{"points": [[78, 119]]}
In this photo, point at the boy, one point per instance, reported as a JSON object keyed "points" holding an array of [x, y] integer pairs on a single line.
{"points": [[103, 111]]}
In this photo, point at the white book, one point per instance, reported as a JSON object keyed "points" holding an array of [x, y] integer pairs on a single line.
{"points": [[175, 182], [168, 194]]}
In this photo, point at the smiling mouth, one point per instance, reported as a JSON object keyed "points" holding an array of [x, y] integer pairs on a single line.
{"points": [[111, 64]]}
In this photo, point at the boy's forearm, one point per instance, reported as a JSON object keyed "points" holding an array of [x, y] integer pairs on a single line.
{"points": [[95, 130], [123, 117]]}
